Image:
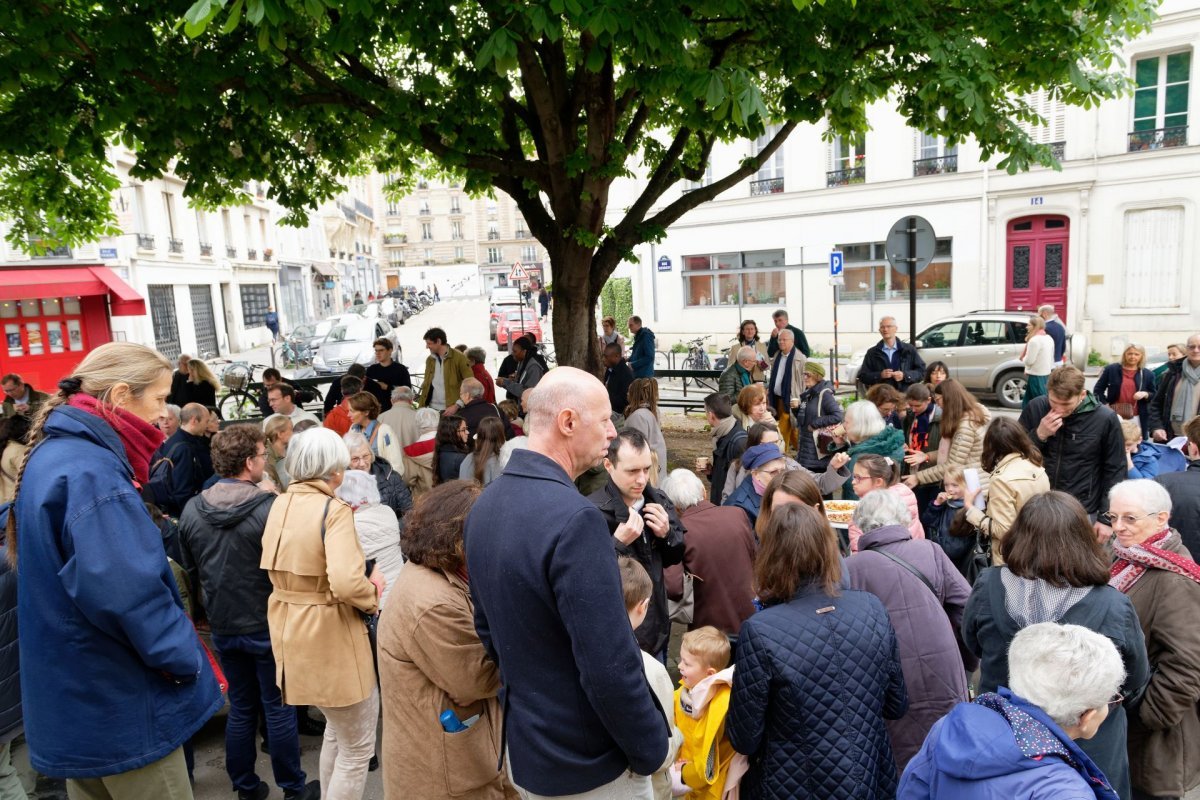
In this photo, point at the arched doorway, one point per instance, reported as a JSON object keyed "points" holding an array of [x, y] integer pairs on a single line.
{"points": [[1036, 255]]}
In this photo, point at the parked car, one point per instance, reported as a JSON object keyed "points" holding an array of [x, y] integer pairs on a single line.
{"points": [[502, 299], [311, 334], [351, 340], [510, 326], [982, 350]]}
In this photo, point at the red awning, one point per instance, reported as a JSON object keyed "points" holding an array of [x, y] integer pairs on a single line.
{"points": [[35, 282]]}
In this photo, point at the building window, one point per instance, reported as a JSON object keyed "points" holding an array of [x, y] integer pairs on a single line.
{"points": [[493, 231], [691, 186], [426, 231], [933, 156], [1153, 258], [769, 178], [1054, 111], [455, 207], [494, 255], [492, 208], [847, 160], [459, 254], [456, 230], [871, 279], [428, 255], [1160, 101], [256, 298], [424, 210], [732, 279], [529, 254], [46, 325]]}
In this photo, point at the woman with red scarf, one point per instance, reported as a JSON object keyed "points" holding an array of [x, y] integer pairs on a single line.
{"points": [[115, 680], [1162, 581]]}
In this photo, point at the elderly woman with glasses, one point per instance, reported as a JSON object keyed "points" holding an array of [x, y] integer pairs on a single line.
{"points": [[1055, 571], [1158, 574], [1020, 741], [393, 491]]}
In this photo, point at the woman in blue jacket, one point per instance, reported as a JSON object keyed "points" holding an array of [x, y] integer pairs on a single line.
{"points": [[113, 676], [817, 672], [1127, 387]]}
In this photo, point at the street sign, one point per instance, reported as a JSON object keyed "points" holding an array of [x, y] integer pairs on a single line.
{"points": [[898, 241], [664, 264], [108, 252], [518, 273], [837, 276]]}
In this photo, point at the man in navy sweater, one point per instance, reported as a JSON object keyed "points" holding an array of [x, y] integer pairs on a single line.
{"points": [[579, 715]]}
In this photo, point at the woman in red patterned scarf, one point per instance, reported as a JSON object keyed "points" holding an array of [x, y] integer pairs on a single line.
{"points": [[1163, 582]]}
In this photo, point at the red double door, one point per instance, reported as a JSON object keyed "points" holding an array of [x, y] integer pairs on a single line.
{"points": [[1037, 263]]}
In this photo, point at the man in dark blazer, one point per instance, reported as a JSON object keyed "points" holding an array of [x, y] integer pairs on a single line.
{"points": [[617, 377]]}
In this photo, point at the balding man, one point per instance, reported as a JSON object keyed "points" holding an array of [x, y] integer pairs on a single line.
{"points": [[179, 469], [786, 385], [739, 374], [580, 716], [474, 407], [891, 361], [1178, 397], [402, 417]]}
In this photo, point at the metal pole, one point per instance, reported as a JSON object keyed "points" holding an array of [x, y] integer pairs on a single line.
{"points": [[912, 279], [834, 356]]}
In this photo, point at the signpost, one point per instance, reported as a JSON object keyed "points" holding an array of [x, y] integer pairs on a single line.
{"points": [[516, 275], [837, 277], [910, 246]]}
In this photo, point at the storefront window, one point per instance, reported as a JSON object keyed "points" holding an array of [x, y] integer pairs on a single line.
{"points": [[870, 278], [256, 297], [43, 326], [726, 279]]}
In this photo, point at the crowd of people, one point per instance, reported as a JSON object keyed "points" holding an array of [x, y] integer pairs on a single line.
{"points": [[1006, 611]]}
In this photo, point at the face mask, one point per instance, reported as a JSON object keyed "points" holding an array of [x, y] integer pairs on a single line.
{"points": [[759, 487]]}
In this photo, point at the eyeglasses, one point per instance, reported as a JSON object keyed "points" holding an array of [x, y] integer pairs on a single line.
{"points": [[1193, 347], [263, 454], [857, 478], [1116, 700], [1125, 519]]}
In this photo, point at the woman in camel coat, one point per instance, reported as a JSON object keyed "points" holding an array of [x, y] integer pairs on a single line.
{"points": [[431, 661]]}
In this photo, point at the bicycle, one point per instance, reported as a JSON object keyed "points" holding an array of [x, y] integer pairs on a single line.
{"points": [[546, 353], [697, 359], [295, 353], [236, 376]]}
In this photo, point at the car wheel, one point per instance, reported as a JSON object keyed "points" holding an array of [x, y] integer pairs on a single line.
{"points": [[502, 346], [1010, 389]]}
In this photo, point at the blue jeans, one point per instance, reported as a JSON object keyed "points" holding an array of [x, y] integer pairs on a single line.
{"points": [[249, 667]]}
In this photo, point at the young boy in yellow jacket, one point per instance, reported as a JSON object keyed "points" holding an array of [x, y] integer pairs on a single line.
{"points": [[707, 768]]}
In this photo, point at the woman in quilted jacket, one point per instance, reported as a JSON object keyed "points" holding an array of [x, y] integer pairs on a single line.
{"points": [[817, 672], [964, 422]]}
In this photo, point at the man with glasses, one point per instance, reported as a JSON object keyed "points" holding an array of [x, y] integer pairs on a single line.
{"points": [[385, 374], [1178, 397], [891, 361], [1082, 446], [220, 535], [20, 397]]}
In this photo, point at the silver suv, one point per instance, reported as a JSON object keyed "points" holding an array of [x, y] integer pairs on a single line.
{"points": [[982, 350]]}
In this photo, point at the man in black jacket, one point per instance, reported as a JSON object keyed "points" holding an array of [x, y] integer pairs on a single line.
{"points": [[617, 377], [729, 442], [644, 526], [221, 541], [1184, 488], [385, 374], [1178, 396], [1083, 448], [891, 361], [179, 469]]}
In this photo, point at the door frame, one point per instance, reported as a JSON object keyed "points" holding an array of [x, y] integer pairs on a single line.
{"points": [[1038, 235]]}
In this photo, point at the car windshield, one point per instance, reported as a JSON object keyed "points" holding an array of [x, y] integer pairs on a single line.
{"points": [[353, 331], [323, 327], [515, 316]]}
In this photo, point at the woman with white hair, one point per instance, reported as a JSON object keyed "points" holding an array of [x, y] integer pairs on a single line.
{"points": [[924, 595], [867, 433], [322, 654], [377, 527], [418, 456], [1019, 741], [393, 491], [1158, 574]]}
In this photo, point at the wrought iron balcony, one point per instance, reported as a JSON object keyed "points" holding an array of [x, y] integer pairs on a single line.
{"points": [[1175, 136], [230, 251], [174, 245], [1058, 150], [145, 241], [252, 255], [395, 238], [205, 249], [845, 177], [493, 236], [522, 234], [425, 211], [935, 166], [768, 186]]}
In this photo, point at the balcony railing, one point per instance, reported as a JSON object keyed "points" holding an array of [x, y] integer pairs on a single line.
{"points": [[1175, 136], [424, 211], [522, 234], [145, 241], [206, 249], [252, 255], [395, 238], [1058, 150], [174, 245], [267, 254], [845, 177], [493, 236], [935, 166], [768, 186], [230, 251]]}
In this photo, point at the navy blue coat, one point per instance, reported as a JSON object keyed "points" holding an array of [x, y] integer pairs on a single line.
{"points": [[815, 680], [641, 355], [578, 711], [10, 666], [113, 675], [191, 466], [745, 498], [1108, 391]]}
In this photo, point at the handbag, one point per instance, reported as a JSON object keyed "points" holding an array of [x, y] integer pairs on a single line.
{"points": [[830, 438], [683, 610], [1125, 410]]}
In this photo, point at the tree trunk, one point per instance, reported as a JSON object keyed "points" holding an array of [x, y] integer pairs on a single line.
{"points": [[575, 337]]}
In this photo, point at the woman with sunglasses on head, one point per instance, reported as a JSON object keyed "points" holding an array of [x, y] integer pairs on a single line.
{"points": [[1158, 574], [1055, 571]]}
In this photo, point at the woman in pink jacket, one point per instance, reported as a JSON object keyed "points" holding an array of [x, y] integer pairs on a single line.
{"points": [[873, 472]]}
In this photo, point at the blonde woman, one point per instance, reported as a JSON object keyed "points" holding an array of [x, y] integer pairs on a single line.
{"points": [[1038, 358], [1127, 387], [95, 594], [201, 386], [278, 432], [641, 415]]}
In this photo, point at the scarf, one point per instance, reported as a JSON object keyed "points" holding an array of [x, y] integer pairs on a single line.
{"points": [[722, 429], [1033, 739], [139, 438], [1184, 405], [609, 339], [1133, 562], [785, 389], [919, 439]]}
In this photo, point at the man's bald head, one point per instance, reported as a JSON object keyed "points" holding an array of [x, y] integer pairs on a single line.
{"points": [[569, 414], [193, 418]]}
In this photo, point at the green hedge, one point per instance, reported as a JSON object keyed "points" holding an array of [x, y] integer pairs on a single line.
{"points": [[616, 301]]}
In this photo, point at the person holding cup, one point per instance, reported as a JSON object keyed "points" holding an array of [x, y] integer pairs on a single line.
{"points": [[786, 385]]}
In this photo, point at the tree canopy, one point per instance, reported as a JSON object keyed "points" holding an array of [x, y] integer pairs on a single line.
{"points": [[549, 101]]}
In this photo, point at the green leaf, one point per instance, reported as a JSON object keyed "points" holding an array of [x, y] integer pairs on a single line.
{"points": [[254, 11], [714, 93], [235, 16]]}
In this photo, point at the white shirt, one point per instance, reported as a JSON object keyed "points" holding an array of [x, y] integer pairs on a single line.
{"points": [[437, 390]]}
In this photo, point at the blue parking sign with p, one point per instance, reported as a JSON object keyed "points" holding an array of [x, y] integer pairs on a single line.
{"points": [[835, 264]]}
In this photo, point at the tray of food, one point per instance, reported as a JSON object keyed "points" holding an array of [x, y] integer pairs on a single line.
{"points": [[840, 512]]}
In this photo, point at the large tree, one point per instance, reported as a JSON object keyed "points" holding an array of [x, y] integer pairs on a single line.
{"points": [[548, 101]]}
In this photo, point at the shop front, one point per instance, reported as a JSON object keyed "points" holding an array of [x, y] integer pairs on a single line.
{"points": [[52, 316]]}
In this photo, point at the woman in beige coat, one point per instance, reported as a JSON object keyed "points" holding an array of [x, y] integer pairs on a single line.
{"points": [[964, 422], [431, 661], [322, 651], [1017, 474]]}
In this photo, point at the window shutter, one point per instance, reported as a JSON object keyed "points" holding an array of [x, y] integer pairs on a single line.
{"points": [[1153, 253]]}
